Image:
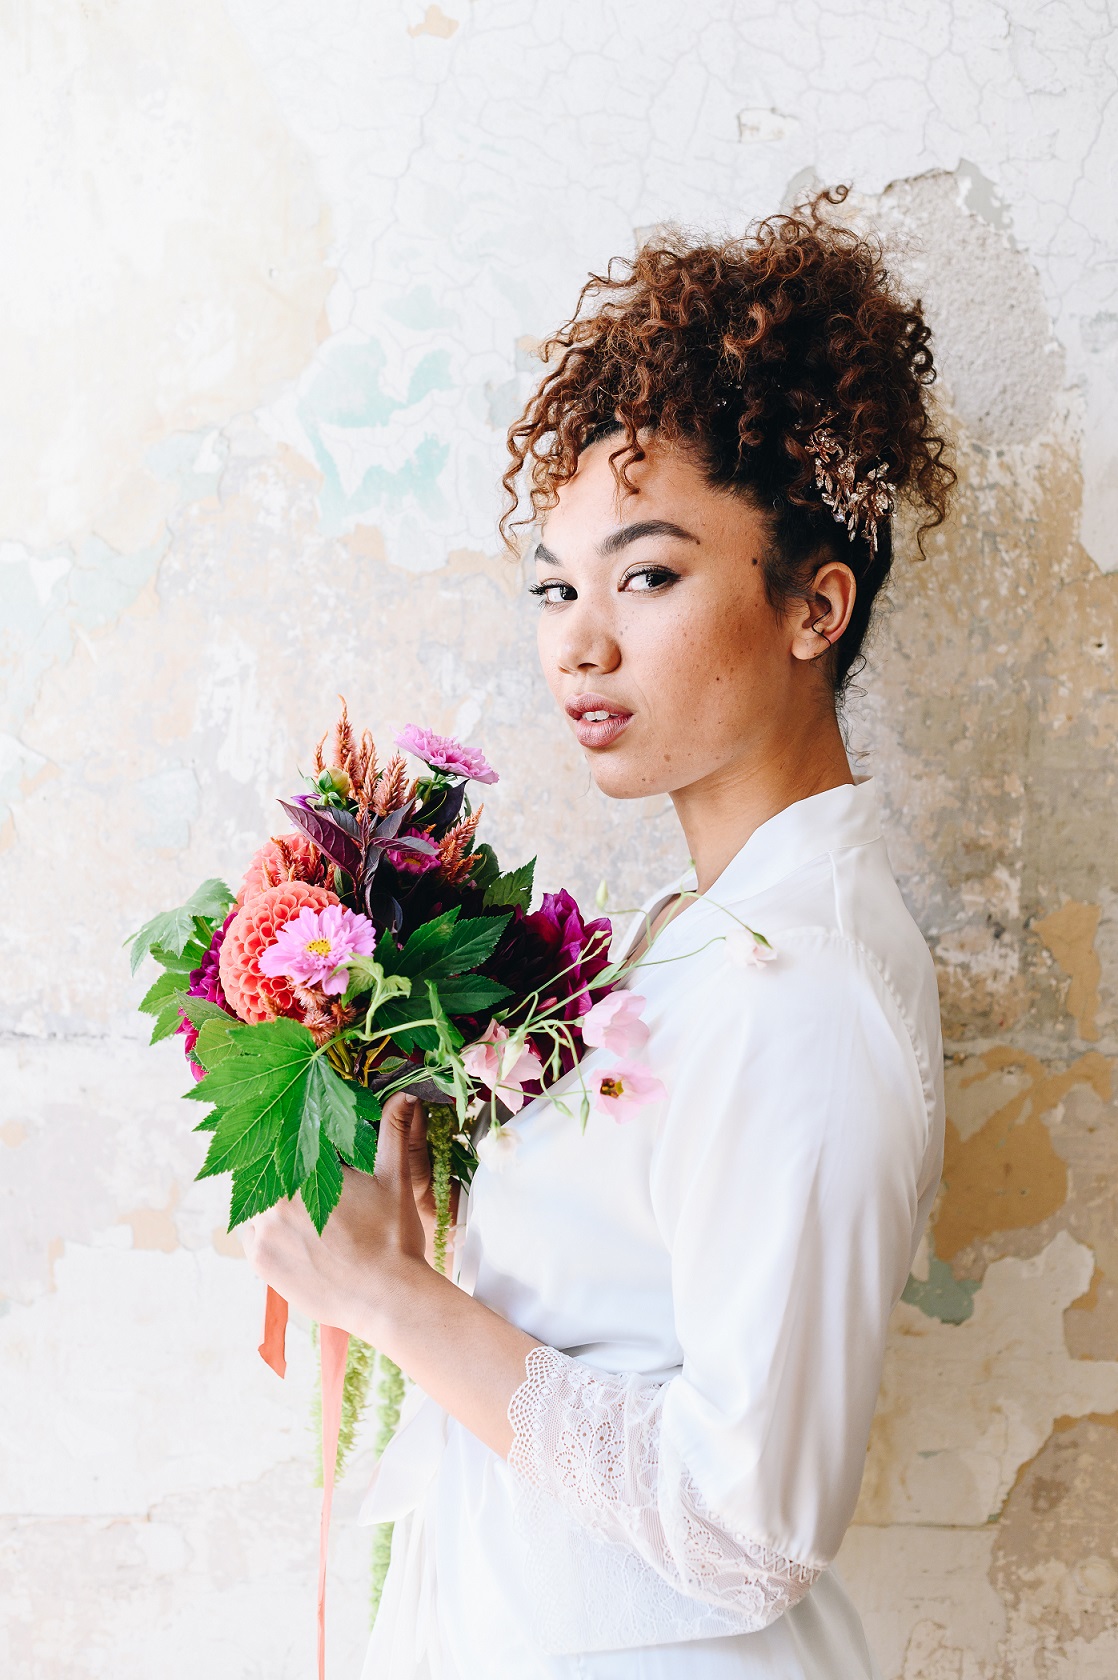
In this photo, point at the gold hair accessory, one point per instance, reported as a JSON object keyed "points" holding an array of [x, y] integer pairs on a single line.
{"points": [[856, 502]]}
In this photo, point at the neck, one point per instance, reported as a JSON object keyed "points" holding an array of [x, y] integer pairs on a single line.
{"points": [[719, 813]]}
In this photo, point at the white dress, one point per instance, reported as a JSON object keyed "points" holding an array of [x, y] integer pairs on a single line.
{"points": [[710, 1283]]}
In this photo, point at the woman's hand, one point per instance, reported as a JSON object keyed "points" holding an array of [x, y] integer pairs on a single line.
{"points": [[374, 1244]]}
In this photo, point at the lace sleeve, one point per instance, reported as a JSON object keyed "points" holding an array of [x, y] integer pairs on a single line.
{"points": [[594, 1444]]}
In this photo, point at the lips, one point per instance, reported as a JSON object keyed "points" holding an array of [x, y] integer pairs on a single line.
{"points": [[598, 721]]}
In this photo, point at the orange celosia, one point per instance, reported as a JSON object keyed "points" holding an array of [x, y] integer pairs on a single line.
{"points": [[285, 857], [261, 997]]}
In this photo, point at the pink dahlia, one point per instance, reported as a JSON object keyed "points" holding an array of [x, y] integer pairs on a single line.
{"points": [[254, 995], [312, 947], [268, 868], [442, 752]]}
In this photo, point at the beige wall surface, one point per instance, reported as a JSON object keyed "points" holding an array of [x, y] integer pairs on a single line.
{"points": [[272, 274]]}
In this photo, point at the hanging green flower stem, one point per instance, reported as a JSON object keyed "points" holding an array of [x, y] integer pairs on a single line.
{"points": [[441, 1125]]}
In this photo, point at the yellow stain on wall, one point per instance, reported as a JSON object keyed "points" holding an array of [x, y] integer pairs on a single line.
{"points": [[1069, 933], [1007, 1174], [435, 22]]}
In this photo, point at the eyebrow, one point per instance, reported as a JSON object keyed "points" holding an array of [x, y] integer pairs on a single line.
{"points": [[622, 537]]}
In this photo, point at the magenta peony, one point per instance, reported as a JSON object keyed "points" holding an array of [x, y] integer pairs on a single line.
{"points": [[205, 982], [444, 753], [311, 948]]}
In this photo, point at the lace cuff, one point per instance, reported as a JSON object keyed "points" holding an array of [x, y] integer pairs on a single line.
{"points": [[593, 1443]]}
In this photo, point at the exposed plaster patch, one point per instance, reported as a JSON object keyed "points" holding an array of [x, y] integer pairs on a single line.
{"points": [[435, 22], [1069, 934], [155, 1227]]}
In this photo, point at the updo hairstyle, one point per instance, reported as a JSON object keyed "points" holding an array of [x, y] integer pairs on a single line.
{"points": [[738, 351]]}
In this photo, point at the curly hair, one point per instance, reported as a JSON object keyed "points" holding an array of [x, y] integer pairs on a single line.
{"points": [[737, 351]]}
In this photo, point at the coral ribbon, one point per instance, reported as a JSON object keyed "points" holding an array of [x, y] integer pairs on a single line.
{"points": [[271, 1349], [333, 1349]]}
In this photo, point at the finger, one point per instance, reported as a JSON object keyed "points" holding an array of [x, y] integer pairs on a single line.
{"points": [[393, 1166]]}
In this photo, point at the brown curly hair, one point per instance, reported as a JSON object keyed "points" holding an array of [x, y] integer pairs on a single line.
{"points": [[736, 351]]}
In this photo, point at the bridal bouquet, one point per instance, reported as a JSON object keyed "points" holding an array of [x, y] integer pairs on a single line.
{"points": [[375, 946]]}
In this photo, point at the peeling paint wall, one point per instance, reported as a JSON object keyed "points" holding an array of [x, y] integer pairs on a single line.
{"points": [[273, 274]]}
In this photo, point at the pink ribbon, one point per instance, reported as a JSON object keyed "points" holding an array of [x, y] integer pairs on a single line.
{"points": [[333, 1347]]}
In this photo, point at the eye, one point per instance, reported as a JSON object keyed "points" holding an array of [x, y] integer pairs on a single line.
{"points": [[642, 580], [553, 593]]}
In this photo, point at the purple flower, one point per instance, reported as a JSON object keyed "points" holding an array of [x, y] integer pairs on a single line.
{"points": [[442, 752], [205, 982], [408, 861], [553, 951], [313, 945]]}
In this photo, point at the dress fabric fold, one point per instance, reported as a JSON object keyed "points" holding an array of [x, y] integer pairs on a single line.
{"points": [[709, 1284]]}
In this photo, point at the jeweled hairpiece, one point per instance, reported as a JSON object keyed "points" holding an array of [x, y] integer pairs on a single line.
{"points": [[857, 502]]}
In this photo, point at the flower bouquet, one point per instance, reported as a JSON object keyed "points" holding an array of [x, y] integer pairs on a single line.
{"points": [[374, 946]]}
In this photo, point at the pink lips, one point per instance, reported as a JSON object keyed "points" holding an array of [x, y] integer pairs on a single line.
{"points": [[597, 732]]}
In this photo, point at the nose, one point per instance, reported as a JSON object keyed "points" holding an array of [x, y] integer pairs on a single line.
{"points": [[587, 641]]}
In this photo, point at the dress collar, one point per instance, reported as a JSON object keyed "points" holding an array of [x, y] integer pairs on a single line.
{"points": [[808, 828]]}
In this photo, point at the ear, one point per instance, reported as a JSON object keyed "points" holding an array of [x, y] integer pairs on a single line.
{"points": [[821, 618]]}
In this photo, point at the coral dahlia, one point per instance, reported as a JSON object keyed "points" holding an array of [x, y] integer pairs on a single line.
{"points": [[254, 995], [268, 866]]}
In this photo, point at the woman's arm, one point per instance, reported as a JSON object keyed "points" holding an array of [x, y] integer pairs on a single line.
{"points": [[369, 1273]]}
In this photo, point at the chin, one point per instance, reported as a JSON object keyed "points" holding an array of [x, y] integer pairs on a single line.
{"points": [[620, 780]]}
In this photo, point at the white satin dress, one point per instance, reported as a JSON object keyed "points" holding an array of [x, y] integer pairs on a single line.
{"points": [[710, 1284]]}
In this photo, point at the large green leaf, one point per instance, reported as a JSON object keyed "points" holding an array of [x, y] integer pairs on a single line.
{"points": [[471, 942], [255, 1189], [240, 1137], [514, 889], [173, 930], [487, 868], [267, 1059], [322, 1188], [159, 994], [213, 1043]]}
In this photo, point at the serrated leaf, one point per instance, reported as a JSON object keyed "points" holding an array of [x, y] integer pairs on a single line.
{"points": [[334, 1104], [471, 994], [200, 1009], [168, 1021], [426, 944], [368, 1105], [363, 1155], [268, 1059], [172, 930], [213, 1043], [256, 1188], [159, 994], [183, 963], [240, 1137], [322, 1188], [514, 889], [472, 941]]}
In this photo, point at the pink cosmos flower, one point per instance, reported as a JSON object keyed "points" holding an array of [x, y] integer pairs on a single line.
{"points": [[311, 946], [614, 1023], [411, 862], [620, 1090], [444, 753], [502, 1065], [746, 949]]}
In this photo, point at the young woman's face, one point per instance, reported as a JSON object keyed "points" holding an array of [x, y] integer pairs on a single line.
{"points": [[656, 635]]}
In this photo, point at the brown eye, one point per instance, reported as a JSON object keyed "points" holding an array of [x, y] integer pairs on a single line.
{"points": [[553, 594], [647, 578]]}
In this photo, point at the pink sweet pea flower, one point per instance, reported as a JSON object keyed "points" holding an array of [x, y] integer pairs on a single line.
{"points": [[620, 1090], [746, 949], [503, 1065], [443, 752], [614, 1023], [311, 946]]}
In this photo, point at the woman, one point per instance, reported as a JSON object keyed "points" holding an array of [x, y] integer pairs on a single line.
{"points": [[642, 1406]]}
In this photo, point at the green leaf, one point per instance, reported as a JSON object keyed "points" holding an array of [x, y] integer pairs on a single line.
{"points": [[487, 869], [334, 1103], [241, 1137], [267, 1061], [255, 1189], [173, 929], [514, 889], [364, 1153], [159, 994], [182, 963], [322, 1188], [471, 942], [213, 1043], [199, 1009], [368, 1105], [471, 994], [168, 1021], [424, 946]]}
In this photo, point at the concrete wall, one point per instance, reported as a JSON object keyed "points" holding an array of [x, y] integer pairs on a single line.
{"points": [[272, 275]]}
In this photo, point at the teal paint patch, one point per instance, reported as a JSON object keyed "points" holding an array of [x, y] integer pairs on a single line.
{"points": [[348, 394], [942, 1295], [418, 309]]}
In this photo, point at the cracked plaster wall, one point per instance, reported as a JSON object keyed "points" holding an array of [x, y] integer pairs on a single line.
{"points": [[273, 274]]}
